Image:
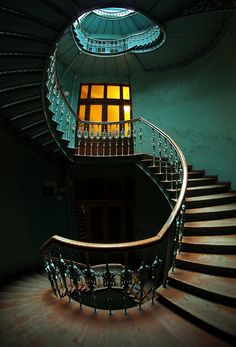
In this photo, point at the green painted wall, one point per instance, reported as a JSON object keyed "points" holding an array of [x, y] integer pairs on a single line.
{"points": [[195, 105], [28, 218]]}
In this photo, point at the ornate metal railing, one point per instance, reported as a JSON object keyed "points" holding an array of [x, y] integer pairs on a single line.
{"points": [[145, 40], [85, 283], [124, 138]]}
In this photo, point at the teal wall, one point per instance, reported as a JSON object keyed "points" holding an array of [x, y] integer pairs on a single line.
{"points": [[28, 218], [195, 105]]}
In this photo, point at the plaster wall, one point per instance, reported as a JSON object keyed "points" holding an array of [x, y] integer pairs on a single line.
{"points": [[195, 105]]}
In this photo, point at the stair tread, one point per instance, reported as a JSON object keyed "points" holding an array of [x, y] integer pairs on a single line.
{"points": [[209, 209], [224, 286], [210, 197], [225, 222], [224, 240], [209, 186], [213, 260], [219, 316]]}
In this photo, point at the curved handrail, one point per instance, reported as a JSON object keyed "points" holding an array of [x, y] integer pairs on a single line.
{"points": [[133, 244], [138, 244]]}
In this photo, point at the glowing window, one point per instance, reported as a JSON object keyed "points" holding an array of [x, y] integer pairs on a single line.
{"points": [[126, 93], [84, 92], [82, 112], [127, 117], [113, 115], [113, 92], [95, 116], [97, 92]]}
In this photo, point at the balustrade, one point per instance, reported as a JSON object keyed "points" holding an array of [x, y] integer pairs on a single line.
{"points": [[86, 284], [145, 40]]}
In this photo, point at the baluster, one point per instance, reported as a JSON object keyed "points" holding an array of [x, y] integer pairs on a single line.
{"points": [[55, 276], [68, 125], [50, 276], [125, 282], [116, 136], [153, 148], [90, 280], [160, 153], [156, 271], [110, 136], [79, 136], [176, 242], [122, 136], [109, 281], [140, 136], [171, 166], [75, 277], [91, 135], [63, 274], [143, 277], [166, 157], [134, 136], [128, 139], [104, 136], [98, 136], [86, 135]]}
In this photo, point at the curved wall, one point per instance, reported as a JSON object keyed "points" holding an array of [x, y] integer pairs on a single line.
{"points": [[195, 105]]}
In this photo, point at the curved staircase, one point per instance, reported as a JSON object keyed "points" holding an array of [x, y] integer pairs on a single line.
{"points": [[203, 284], [196, 308]]}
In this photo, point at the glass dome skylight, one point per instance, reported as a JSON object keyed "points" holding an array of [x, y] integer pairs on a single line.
{"points": [[113, 12], [128, 32]]}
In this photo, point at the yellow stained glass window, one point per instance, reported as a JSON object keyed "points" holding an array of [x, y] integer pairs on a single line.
{"points": [[113, 92], [126, 93], [84, 91], [97, 92], [96, 116], [113, 115]]}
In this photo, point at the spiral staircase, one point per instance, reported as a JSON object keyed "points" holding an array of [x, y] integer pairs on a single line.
{"points": [[197, 304]]}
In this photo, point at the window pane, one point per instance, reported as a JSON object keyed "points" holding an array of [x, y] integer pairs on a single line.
{"points": [[113, 92], [82, 112], [113, 115], [127, 117], [84, 92], [97, 92], [95, 116], [126, 93]]}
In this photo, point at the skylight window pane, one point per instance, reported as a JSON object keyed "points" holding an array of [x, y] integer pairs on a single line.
{"points": [[84, 92], [113, 92], [97, 92]]}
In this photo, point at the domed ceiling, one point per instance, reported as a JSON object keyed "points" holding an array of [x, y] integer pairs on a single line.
{"points": [[186, 35]]}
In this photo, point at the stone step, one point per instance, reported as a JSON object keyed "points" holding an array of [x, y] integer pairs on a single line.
{"points": [[209, 244], [216, 288], [210, 227], [210, 200], [211, 212], [214, 316], [192, 182], [216, 264], [203, 190]]}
